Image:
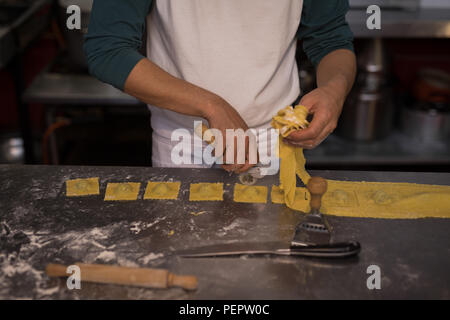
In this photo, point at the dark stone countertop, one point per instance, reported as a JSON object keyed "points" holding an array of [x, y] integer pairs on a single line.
{"points": [[40, 225]]}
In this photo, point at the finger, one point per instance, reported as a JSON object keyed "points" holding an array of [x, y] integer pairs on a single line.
{"points": [[253, 149], [231, 154], [247, 150], [312, 143], [219, 150], [236, 167], [225, 148], [236, 151], [242, 151], [233, 166], [316, 126], [229, 167], [247, 147], [245, 167]]}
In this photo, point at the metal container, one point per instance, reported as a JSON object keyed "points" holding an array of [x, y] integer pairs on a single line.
{"points": [[75, 38], [366, 116], [426, 125], [427, 120], [11, 150]]}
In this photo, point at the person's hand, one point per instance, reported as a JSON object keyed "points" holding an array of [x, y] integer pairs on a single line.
{"points": [[223, 116], [326, 108]]}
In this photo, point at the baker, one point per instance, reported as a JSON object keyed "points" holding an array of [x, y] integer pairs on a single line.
{"points": [[229, 62]]}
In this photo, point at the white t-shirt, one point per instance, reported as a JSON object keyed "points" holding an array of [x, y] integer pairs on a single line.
{"points": [[241, 50]]}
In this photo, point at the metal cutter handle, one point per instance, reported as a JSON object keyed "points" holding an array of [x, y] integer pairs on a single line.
{"points": [[332, 250], [317, 187]]}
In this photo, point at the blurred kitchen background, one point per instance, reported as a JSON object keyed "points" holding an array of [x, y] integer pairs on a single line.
{"points": [[397, 116]]}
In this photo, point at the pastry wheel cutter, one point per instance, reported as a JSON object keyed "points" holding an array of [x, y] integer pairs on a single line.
{"points": [[252, 175], [312, 237]]}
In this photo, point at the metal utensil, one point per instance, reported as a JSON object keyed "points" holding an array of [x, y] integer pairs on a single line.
{"points": [[336, 250], [75, 38], [252, 175], [311, 238], [314, 229]]}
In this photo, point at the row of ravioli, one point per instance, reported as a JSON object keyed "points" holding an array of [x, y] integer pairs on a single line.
{"points": [[156, 190]]}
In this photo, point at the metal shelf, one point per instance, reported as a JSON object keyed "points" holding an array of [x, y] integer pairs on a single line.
{"points": [[423, 23]]}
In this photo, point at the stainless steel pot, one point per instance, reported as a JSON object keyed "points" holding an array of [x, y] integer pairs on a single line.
{"points": [[426, 125], [366, 116], [75, 38], [368, 111]]}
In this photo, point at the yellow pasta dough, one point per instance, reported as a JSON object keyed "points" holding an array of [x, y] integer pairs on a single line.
{"points": [[251, 194], [386, 200], [122, 191], [206, 192], [292, 161], [277, 195], [349, 198], [162, 190], [82, 187], [376, 200]]}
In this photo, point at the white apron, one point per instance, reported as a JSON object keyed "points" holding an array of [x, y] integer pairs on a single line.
{"points": [[241, 50]]}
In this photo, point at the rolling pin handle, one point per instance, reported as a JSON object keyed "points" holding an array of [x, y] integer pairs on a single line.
{"points": [[143, 277], [317, 187], [185, 282], [56, 270]]}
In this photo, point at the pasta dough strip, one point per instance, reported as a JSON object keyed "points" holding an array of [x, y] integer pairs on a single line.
{"points": [[349, 198], [292, 160]]}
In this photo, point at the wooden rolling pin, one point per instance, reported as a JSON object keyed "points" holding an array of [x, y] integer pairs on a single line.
{"points": [[139, 277]]}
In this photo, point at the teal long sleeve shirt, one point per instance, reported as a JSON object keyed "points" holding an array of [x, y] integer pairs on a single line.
{"points": [[116, 30]]}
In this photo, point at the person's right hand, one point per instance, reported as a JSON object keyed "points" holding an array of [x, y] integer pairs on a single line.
{"points": [[222, 116]]}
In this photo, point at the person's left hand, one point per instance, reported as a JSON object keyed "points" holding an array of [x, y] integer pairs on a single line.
{"points": [[326, 107]]}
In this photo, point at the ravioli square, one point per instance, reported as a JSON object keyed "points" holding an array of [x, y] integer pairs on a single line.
{"points": [[301, 200], [340, 197], [162, 190], [122, 191], [82, 187], [206, 192], [250, 194]]}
